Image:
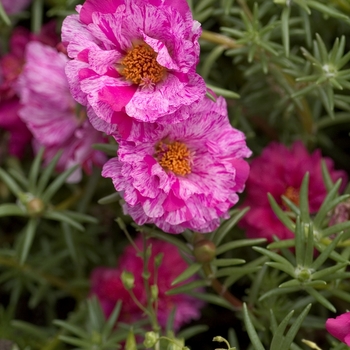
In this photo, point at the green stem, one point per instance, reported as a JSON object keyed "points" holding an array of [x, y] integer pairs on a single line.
{"points": [[145, 276], [127, 234], [37, 16], [219, 39], [220, 289], [140, 306]]}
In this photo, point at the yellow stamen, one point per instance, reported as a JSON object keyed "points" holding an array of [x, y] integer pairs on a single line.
{"points": [[174, 157], [292, 194], [140, 65]]}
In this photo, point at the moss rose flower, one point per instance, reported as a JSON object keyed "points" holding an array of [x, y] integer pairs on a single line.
{"points": [[52, 115], [280, 171], [107, 284], [11, 65], [183, 175], [339, 327], [14, 6], [137, 57]]}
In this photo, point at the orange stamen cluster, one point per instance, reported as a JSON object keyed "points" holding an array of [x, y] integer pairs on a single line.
{"points": [[140, 65], [292, 194], [174, 157]]}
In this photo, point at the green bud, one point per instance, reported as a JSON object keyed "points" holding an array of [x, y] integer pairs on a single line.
{"points": [[154, 292], [219, 339], [149, 251], [35, 207], [131, 341], [158, 259], [146, 275], [128, 280], [204, 250], [151, 339], [303, 274]]}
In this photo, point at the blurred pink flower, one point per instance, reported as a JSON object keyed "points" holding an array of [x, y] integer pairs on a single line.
{"points": [[77, 150], [14, 6], [107, 285], [50, 112], [280, 170], [339, 327], [134, 57], [340, 213], [183, 175], [11, 65]]}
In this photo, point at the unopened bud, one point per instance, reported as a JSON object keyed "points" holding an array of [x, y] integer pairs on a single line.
{"points": [[35, 207], [154, 292], [158, 259], [219, 339], [130, 341], [128, 280], [149, 251], [204, 251], [151, 339]]}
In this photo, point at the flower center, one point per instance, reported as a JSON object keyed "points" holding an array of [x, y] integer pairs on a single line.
{"points": [[174, 157], [141, 67], [292, 194]]}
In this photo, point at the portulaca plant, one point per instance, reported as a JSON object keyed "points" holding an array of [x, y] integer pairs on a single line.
{"points": [[174, 174]]}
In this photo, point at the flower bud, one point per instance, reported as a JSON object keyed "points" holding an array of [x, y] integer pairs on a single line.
{"points": [[154, 292], [128, 280], [303, 274], [130, 341], [204, 251], [158, 259], [151, 339], [219, 339], [35, 207]]}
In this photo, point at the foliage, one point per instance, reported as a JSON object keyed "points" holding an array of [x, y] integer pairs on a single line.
{"points": [[284, 68]]}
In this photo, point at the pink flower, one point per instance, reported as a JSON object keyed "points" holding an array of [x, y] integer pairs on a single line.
{"points": [[106, 283], [51, 113], [183, 175], [340, 213], [14, 6], [339, 327], [280, 171], [77, 150], [11, 66], [137, 57]]}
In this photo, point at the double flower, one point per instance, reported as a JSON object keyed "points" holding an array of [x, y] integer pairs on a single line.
{"points": [[180, 163]]}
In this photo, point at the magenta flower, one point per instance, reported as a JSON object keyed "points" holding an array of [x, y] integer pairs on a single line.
{"points": [[14, 6], [183, 175], [51, 113], [11, 64], [339, 327], [137, 57], [280, 171], [107, 285]]}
